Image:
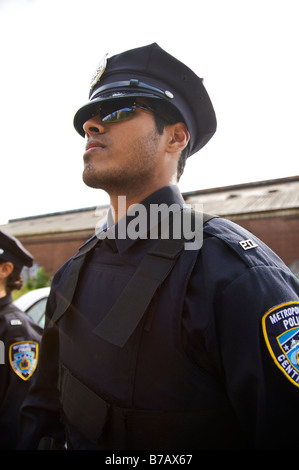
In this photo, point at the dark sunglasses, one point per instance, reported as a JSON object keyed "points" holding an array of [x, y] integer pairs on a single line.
{"points": [[119, 110]]}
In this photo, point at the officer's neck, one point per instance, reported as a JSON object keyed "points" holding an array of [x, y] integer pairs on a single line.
{"points": [[3, 292], [121, 204]]}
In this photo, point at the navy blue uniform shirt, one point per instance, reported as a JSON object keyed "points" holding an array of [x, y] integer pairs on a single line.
{"points": [[20, 338], [223, 334]]}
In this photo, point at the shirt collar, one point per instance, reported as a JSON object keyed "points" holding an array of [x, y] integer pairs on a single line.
{"points": [[122, 231]]}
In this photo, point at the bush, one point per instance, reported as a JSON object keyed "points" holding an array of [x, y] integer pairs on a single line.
{"points": [[42, 279]]}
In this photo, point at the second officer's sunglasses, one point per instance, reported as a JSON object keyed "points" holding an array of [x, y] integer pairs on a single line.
{"points": [[119, 110]]}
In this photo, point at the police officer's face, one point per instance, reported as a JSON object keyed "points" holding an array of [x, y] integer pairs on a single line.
{"points": [[127, 156]]}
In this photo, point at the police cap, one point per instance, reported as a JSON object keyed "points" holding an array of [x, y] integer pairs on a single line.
{"points": [[12, 250], [151, 72]]}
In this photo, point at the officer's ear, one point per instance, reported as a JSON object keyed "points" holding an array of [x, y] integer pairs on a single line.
{"points": [[6, 269], [178, 137]]}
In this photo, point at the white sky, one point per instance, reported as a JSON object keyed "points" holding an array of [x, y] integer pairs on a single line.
{"points": [[246, 51]]}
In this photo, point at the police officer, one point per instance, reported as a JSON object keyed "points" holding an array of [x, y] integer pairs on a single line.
{"points": [[20, 339], [150, 345]]}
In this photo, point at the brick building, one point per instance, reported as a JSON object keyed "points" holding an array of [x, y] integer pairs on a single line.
{"points": [[269, 209]]}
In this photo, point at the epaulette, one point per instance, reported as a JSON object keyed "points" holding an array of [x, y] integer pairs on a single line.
{"points": [[252, 250]]}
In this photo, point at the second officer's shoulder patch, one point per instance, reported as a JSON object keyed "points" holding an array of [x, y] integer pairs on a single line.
{"points": [[281, 332], [23, 357]]}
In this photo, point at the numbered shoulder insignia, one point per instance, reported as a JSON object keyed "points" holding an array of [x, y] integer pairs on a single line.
{"points": [[281, 333], [248, 244], [23, 358]]}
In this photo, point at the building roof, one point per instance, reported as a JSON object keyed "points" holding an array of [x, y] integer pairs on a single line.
{"points": [[58, 222], [251, 199], [245, 200]]}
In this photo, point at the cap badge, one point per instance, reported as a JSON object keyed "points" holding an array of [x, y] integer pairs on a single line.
{"points": [[99, 71], [1, 251]]}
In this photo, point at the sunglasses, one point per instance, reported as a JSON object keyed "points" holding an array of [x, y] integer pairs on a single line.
{"points": [[119, 110]]}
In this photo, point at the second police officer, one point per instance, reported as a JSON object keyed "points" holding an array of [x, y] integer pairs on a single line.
{"points": [[20, 340]]}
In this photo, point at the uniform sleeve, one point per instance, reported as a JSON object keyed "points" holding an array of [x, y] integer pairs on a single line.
{"points": [[241, 311], [4, 354], [40, 414], [264, 397]]}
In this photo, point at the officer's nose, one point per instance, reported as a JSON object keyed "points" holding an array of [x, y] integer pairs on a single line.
{"points": [[93, 125]]}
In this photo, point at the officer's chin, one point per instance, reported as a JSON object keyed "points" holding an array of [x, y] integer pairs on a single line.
{"points": [[89, 178]]}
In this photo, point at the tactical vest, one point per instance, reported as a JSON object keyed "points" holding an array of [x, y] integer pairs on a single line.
{"points": [[155, 397]]}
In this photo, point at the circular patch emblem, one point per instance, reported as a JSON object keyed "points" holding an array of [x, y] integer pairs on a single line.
{"points": [[281, 333]]}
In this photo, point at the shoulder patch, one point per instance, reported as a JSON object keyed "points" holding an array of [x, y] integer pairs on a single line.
{"points": [[23, 358], [281, 333]]}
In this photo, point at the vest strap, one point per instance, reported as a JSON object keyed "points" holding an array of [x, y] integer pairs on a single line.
{"points": [[66, 296]]}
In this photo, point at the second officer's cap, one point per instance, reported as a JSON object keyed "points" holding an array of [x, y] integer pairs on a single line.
{"points": [[151, 72], [11, 249]]}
